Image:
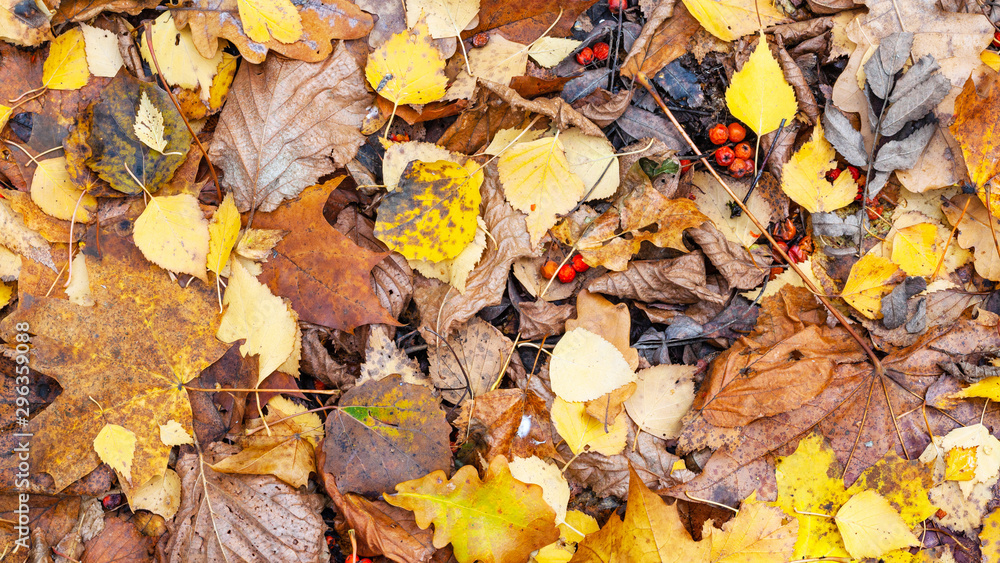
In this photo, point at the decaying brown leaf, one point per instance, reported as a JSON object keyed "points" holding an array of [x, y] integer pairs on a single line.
{"points": [[677, 280], [517, 423], [467, 365], [542, 318]]}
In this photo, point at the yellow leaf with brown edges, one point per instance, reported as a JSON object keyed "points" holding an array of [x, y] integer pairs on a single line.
{"points": [[804, 177], [871, 278], [758, 94], [976, 127], [407, 69]]}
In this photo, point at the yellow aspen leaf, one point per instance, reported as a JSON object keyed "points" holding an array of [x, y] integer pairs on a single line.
{"points": [[988, 388], [585, 366], [66, 66], [180, 61], [223, 231], [160, 495], [759, 533], [432, 216], [493, 520], [173, 434], [398, 155], [663, 396], [550, 51], [584, 433], [871, 527], [115, 445], [555, 489], [960, 464], [78, 289], [758, 94], [499, 61], [593, 159], [804, 177], [173, 234], [103, 57], [455, 271], [407, 69], [148, 125], [915, 249], [267, 19], [731, 19], [871, 278], [538, 181], [285, 449], [445, 18], [57, 195], [256, 315], [6, 292]]}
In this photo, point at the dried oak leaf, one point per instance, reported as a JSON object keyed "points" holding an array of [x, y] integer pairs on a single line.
{"points": [[284, 122], [237, 518], [470, 361], [677, 280], [494, 520], [517, 423], [385, 432], [131, 353], [322, 22], [328, 284]]}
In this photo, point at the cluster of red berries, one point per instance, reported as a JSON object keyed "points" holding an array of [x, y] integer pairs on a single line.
{"points": [[354, 559], [568, 272], [859, 178], [599, 53], [399, 138], [738, 159], [797, 248]]}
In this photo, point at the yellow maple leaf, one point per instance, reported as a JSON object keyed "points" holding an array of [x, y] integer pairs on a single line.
{"points": [[407, 69], [915, 249], [584, 433], [870, 526], [267, 19], [538, 181], [180, 61], [223, 231], [160, 495], [804, 177], [731, 19], [115, 445], [871, 278], [173, 234], [148, 125], [758, 94], [445, 18], [66, 66], [432, 215], [585, 366], [264, 321], [55, 193]]}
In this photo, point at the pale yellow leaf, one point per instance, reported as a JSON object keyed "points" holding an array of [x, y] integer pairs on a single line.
{"points": [[915, 249], [663, 396], [871, 527], [265, 322], [804, 177], [584, 433], [537, 180], [713, 200], [223, 231], [78, 289], [160, 495], [731, 19], [445, 18], [986, 448], [148, 125], [173, 434], [555, 488], [55, 193], [101, 46], [407, 69], [66, 66], [550, 51], [291, 364], [115, 445], [870, 279], [508, 137], [585, 366], [455, 271], [758, 94], [180, 60], [398, 155], [593, 159], [266, 19], [499, 61], [256, 244], [173, 234]]}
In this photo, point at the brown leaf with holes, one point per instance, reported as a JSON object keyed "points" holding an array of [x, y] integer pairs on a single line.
{"points": [[517, 423]]}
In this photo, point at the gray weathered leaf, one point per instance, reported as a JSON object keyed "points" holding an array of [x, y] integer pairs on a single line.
{"points": [[876, 182], [917, 74], [887, 61], [917, 102], [641, 124], [894, 304], [918, 323], [831, 225], [903, 154], [844, 137], [583, 85]]}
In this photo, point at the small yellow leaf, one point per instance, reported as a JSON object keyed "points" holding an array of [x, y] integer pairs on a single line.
{"points": [[78, 289], [593, 159], [585, 366], [180, 60], [103, 56], [256, 244], [870, 526], [550, 51], [55, 193], [173, 234], [115, 445], [223, 231], [731, 19], [960, 464], [804, 177], [6, 292], [455, 271], [445, 18], [663, 396], [758, 95], [915, 249], [871, 278], [538, 181], [253, 313], [66, 66], [407, 69], [577, 526], [173, 434], [584, 433], [160, 495], [988, 388], [266, 19], [555, 488], [148, 125]]}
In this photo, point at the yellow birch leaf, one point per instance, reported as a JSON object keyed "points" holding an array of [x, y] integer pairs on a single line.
{"points": [[593, 159], [115, 445], [505, 137], [538, 181], [758, 95], [871, 278], [870, 526], [6, 292], [455, 271], [148, 125], [915, 249], [555, 488], [991, 59], [291, 364], [173, 434], [585, 366], [663, 396], [584, 433], [960, 464], [577, 526], [432, 216], [988, 388], [223, 231], [160, 495], [57, 195], [407, 69], [265, 321], [180, 61], [499, 61], [550, 51], [173, 234], [101, 46], [398, 155], [731, 19], [267, 19], [804, 177], [66, 66], [445, 18], [78, 289]]}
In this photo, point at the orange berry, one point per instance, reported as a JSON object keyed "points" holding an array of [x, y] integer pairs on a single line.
{"points": [[739, 168], [743, 151], [724, 156], [737, 132], [585, 56], [549, 269], [567, 273], [601, 51], [718, 134]]}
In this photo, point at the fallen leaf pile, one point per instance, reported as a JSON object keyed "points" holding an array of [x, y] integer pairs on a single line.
{"points": [[480, 280]]}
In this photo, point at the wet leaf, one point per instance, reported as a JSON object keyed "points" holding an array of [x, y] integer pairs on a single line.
{"points": [[516, 422]]}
